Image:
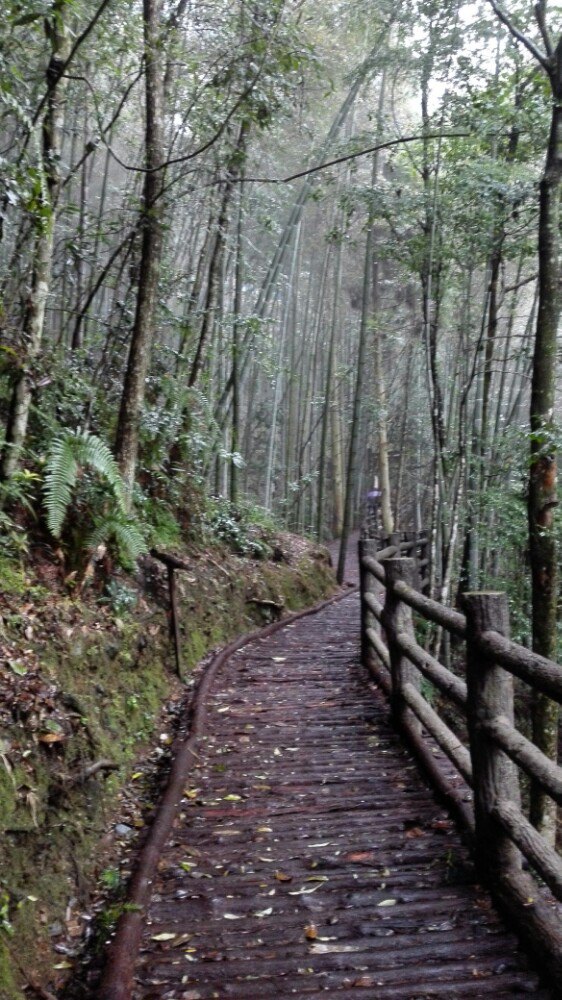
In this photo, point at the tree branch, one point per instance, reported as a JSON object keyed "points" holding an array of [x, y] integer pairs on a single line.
{"points": [[352, 156], [92, 145], [529, 45], [540, 14], [79, 41]]}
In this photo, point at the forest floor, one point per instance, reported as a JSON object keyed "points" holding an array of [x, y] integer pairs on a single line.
{"points": [[89, 702]]}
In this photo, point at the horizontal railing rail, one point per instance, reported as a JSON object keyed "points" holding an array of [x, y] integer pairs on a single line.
{"points": [[489, 760]]}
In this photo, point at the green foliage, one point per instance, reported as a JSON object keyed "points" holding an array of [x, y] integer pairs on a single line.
{"points": [[70, 453], [110, 879], [501, 512], [5, 921], [125, 533], [237, 527], [158, 521], [17, 494], [428, 690], [120, 597]]}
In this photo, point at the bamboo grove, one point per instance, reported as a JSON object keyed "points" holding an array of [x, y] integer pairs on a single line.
{"points": [[275, 250]]}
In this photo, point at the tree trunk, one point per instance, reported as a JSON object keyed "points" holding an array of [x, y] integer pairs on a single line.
{"points": [[543, 472], [237, 309], [34, 316], [132, 398], [382, 424], [328, 391], [351, 476]]}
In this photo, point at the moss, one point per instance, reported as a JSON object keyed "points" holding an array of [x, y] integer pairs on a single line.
{"points": [[7, 799], [14, 580], [195, 645], [23, 796], [8, 987]]}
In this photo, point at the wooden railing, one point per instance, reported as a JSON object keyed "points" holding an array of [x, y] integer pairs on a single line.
{"points": [[495, 752], [413, 544]]}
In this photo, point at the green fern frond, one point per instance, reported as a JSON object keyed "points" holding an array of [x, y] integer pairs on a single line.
{"points": [[68, 452], [60, 479], [92, 451], [126, 533]]}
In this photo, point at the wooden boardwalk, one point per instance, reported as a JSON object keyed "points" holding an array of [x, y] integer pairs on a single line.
{"points": [[308, 857]]}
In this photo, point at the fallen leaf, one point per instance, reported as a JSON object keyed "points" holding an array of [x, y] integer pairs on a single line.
{"points": [[264, 913], [360, 856], [17, 668], [163, 937], [52, 738], [232, 798], [305, 892], [388, 902], [311, 932], [281, 877], [441, 824]]}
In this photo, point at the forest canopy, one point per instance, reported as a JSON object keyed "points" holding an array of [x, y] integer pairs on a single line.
{"points": [[278, 252]]}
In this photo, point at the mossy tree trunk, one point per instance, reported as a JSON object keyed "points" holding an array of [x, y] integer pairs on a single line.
{"points": [[34, 316]]}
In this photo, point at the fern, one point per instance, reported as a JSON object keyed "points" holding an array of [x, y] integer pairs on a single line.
{"points": [[124, 530], [68, 452]]}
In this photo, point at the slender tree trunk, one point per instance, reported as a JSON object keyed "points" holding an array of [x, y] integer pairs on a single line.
{"points": [[337, 464], [543, 473], [351, 476], [286, 317], [328, 392], [132, 399], [382, 423], [235, 438], [34, 316]]}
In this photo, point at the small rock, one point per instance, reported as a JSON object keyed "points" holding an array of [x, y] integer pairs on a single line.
{"points": [[122, 830], [56, 929]]}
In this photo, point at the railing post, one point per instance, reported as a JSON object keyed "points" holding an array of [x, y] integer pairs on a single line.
{"points": [[397, 618], [367, 547], [490, 693], [394, 539]]}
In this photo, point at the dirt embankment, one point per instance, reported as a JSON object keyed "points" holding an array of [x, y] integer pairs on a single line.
{"points": [[88, 705]]}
